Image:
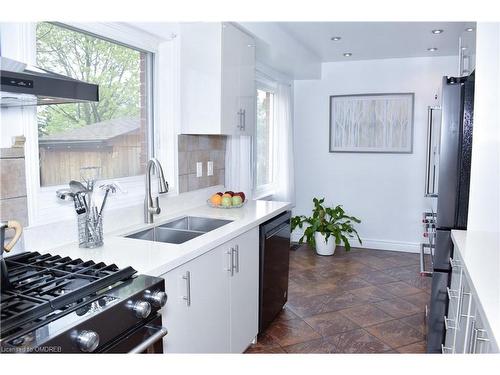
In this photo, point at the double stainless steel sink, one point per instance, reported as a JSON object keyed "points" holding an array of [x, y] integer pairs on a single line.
{"points": [[180, 230]]}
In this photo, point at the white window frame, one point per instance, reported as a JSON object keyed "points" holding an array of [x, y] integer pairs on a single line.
{"points": [[43, 206], [262, 191]]}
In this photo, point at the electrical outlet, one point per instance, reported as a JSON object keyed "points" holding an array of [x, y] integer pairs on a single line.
{"points": [[199, 169], [210, 168]]}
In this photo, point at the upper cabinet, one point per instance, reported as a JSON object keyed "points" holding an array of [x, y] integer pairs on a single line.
{"points": [[217, 80], [467, 52]]}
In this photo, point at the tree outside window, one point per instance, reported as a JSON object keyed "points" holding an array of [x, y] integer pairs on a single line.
{"points": [[110, 134]]}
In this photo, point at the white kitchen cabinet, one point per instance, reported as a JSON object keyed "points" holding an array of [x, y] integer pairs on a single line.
{"points": [[217, 79], [212, 304], [466, 330], [244, 291], [196, 310]]}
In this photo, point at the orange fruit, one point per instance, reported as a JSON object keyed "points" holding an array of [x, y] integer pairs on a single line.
{"points": [[216, 199]]}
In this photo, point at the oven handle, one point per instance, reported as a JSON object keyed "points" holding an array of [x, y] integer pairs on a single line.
{"points": [[153, 339]]}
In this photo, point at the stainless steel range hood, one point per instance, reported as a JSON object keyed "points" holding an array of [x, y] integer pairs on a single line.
{"points": [[23, 85]]}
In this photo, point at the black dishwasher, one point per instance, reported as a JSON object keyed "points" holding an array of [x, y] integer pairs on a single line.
{"points": [[274, 264]]}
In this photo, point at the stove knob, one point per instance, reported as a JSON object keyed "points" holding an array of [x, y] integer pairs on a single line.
{"points": [[87, 341], [142, 309], [157, 299]]}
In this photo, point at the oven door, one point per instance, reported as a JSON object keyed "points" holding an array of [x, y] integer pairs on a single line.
{"points": [[147, 338]]}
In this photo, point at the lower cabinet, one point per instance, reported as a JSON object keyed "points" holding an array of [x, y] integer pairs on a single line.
{"points": [[466, 330], [212, 304]]}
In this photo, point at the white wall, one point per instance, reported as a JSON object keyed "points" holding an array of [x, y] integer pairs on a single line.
{"points": [[386, 191], [484, 203]]}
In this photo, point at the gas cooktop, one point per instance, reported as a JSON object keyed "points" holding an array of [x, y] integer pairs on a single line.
{"points": [[45, 297]]}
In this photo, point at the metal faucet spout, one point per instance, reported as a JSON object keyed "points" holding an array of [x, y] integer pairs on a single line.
{"points": [[153, 207]]}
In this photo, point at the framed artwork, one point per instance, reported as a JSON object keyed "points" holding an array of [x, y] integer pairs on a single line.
{"points": [[380, 123]]}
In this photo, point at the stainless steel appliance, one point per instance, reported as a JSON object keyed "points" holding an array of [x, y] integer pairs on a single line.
{"points": [[274, 266], [63, 305], [23, 85], [451, 171]]}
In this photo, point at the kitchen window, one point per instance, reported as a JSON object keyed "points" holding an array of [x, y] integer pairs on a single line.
{"points": [[111, 137], [263, 144]]}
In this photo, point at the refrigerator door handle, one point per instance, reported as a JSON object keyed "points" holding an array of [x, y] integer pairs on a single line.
{"points": [[430, 170]]}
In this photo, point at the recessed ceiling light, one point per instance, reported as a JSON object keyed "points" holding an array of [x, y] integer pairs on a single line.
{"points": [[335, 38], [347, 54], [469, 29], [437, 31], [432, 49]]}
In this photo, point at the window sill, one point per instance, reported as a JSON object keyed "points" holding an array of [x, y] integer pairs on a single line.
{"points": [[263, 194]]}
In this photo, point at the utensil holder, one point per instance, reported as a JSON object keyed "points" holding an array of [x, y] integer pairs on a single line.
{"points": [[90, 233]]}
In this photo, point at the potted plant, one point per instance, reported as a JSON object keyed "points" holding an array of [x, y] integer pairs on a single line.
{"points": [[326, 228]]}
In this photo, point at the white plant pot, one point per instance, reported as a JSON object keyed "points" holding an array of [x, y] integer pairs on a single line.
{"points": [[324, 247]]}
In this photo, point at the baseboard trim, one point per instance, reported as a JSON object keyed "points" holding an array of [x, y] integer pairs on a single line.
{"points": [[405, 247]]}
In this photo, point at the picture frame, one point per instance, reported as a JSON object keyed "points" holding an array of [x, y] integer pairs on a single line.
{"points": [[371, 123]]}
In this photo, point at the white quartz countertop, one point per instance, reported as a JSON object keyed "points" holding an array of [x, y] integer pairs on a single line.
{"points": [[480, 252], [156, 258]]}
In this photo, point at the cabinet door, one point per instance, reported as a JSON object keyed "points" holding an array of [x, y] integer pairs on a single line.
{"points": [[209, 303], [247, 83], [200, 78], [231, 111], [197, 310], [175, 312], [244, 291], [481, 341]]}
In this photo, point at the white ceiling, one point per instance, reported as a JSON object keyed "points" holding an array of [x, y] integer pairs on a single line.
{"points": [[376, 40]]}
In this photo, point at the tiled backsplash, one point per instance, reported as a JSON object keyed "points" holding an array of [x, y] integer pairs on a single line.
{"points": [[200, 148]]}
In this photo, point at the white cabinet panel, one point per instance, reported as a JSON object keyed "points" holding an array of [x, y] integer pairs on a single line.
{"points": [[244, 291], [209, 308], [217, 79], [213, 300], [197, 310], [175, 313], [231, 46]]}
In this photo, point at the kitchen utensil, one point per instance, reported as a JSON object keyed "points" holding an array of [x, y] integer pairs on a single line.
{"points": [[77, 187], [4, 225], [65, 194], [107, 188]]}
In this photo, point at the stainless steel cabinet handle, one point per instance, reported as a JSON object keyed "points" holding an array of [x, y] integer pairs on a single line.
{"points": [[461, 303], [240, 119], [454, 263], [230, 269], [472, 338], [451, 293], [447, 322], [430, 171], [476, 338], [187, 297], [236, 263], [446, 350], [244, 119], [423, 271]]}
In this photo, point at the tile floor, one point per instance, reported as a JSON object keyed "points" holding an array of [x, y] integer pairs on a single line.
{"points": [[364, 301]]}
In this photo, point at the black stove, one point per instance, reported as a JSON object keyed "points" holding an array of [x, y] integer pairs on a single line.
{"points": [[58, 304]]}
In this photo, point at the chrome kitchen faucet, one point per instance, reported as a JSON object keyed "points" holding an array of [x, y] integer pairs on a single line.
{"points": [[153, 208]]}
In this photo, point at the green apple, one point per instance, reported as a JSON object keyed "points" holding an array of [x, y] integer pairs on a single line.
{"points": [[226, 201], [237, 200]]}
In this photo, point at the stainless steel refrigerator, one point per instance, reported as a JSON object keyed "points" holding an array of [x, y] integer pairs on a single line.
{"points": [[447, 179]]}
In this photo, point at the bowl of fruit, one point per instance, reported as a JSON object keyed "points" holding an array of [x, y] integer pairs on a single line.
{"points": [[229, 199]]}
